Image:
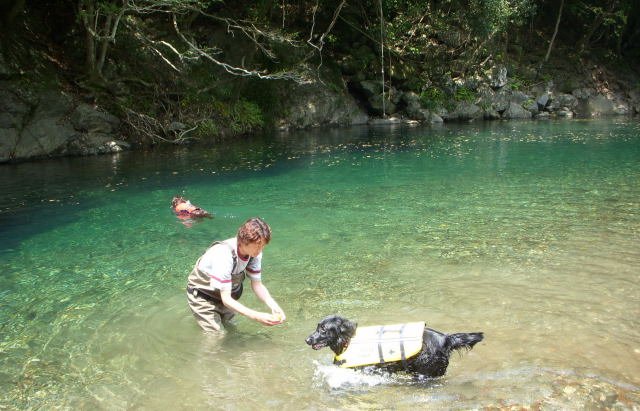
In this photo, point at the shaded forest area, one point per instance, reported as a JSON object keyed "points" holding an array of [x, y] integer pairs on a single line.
{"points": [[173, 70]]}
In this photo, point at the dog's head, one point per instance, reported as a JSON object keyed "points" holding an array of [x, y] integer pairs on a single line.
{"points": [[333, 332], [177, 200]]}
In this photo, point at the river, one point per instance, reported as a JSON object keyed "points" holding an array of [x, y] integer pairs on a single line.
{"points": [[527, 231]]}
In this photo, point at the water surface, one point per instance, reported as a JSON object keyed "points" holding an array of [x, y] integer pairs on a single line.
{"points": [[527, 231]]}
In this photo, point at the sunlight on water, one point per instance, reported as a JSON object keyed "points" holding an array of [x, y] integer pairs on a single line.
{"points": [[527, 231]]}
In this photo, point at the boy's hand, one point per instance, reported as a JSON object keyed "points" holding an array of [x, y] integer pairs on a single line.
{"points": [[279, 316], [267, 319]]}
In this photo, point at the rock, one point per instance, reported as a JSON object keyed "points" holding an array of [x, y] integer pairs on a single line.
{"points": [[500, 100], [516, 111], [583, 93], [8, 143], [564, 112], [621, 105], [13, 109], [115, 146], [313, 105], [491, 115], [634, 94], [542, 101], [394, 95], [434, 118], [594, 106], [497, 77], [466, 111], [89, 119], [532, 106], [46, 130], [448, 85], [47, 124], [412, 105], [376, 106], [469, 83], [563, 100], [43, 137], [426, 116], [370, 88], [542, 88]]}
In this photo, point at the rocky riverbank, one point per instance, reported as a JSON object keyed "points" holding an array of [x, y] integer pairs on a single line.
{"points": [[53, 123]]}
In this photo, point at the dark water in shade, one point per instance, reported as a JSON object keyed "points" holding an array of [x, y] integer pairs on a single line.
{"points": [[528, 231]]}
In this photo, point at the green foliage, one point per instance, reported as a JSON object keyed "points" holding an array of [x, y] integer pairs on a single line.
{"points": [[464, 94], [432, 97], [244, 117], [207, 129], [516, 83], [239, 116]]}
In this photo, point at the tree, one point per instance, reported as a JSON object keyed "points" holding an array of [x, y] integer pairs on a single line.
{"points": [[555, 31]]}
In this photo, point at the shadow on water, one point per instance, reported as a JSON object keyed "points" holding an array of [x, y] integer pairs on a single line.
{"points": [[41, 195]]}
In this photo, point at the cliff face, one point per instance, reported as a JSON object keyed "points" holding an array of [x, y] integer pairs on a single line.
{"points": [[144, 93]]}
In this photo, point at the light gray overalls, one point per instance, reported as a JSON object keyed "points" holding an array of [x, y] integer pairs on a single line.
{"points": [[205, 301]]}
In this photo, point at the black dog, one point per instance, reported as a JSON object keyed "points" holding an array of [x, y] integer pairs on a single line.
{"points": [[431, 358]]}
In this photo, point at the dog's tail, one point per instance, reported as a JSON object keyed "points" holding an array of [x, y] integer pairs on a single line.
{"points": [[464, 340]]}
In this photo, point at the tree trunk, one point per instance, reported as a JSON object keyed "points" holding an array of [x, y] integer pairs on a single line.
{"points": [[384, 114], [104, 44], [87, 11], [555, 32]]}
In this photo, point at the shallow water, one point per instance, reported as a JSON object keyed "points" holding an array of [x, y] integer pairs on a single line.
{"points": [[527, 231]]}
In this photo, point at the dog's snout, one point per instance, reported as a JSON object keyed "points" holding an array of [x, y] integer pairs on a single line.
{"points": [[308, 340]]}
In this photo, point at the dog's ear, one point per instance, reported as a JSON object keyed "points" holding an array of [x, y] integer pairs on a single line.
{"points": [[348, 328]]}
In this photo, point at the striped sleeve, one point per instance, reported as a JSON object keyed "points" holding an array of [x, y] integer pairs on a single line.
{"points": [[254, 268]]}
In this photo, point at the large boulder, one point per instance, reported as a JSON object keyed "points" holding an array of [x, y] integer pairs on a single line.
{"points": [[562, 101], [516, 111], [375, 104], [46, 129], [466, 111], [542, 100], [49, 124], [311, 105], [89, 119]]}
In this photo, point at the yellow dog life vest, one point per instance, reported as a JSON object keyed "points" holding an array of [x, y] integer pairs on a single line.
{"points": [[382, 344]]}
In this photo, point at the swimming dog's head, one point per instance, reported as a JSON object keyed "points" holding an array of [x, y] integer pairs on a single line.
{"points": [[333, 332]]}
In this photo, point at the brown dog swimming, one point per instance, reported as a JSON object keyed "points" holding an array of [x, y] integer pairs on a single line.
{"points": [[183, 207]]}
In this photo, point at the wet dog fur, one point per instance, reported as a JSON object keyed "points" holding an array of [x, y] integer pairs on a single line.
{"points": [[335, 332], [196, 212]]}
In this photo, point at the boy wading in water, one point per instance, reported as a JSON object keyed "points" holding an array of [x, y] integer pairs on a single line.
{"points": [[215, 283]]}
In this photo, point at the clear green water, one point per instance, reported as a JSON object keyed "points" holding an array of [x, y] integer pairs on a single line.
{"points": [[527, 231]]}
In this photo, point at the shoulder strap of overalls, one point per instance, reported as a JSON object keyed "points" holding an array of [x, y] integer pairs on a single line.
{"points": [[234, 255]]}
